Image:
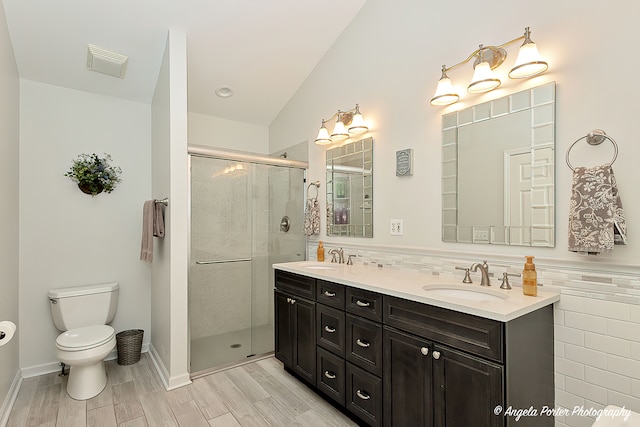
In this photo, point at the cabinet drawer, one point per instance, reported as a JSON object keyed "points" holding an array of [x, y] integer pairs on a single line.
{"points": [[364, 344], [296, 284], [331, 375], [364, 303], [477, 335], [364, 395], [331, 294], [330, 328]]}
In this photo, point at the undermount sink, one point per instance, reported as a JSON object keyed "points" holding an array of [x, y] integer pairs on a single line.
{"points": [[320, 267], [464, 292]]}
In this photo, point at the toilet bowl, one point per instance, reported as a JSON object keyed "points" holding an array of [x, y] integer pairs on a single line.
{"points": [[84, 350], [83, 314]]}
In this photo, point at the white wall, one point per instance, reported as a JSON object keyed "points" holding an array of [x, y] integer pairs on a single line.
{"points": [[388, 60], [170, 337], [68, 238], [9, 135], [227, 134]]}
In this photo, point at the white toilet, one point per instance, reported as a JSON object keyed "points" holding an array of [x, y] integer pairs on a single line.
{"points": [[83, 314]]}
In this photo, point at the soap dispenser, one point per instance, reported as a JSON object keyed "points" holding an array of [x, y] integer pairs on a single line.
{"points": [[529, 278], [320, 256]]}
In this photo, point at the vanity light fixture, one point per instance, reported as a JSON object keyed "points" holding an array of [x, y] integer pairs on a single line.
{"points": [[347, 123], [487, 58]]}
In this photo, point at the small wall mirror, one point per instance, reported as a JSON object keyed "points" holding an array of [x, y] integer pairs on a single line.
{"points": [[498, 171], [350, 189]]}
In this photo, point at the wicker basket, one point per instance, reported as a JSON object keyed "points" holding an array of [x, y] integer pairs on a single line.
{"points": [[129, 345]]}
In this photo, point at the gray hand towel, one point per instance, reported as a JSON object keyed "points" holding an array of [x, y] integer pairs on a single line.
{"points": [[158, 220], [146, 247], [596, 217]]}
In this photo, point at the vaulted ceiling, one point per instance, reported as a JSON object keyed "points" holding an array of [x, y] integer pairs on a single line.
{"points": [[262, 49]]}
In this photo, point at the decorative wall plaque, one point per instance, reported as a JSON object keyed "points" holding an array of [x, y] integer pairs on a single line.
{"points": [[404, 162]]}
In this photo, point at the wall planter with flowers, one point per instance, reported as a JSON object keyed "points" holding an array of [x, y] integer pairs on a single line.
{"points": [[94, 174]]}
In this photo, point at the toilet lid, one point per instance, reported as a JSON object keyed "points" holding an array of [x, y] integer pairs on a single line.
{"points": [[83, 338]]}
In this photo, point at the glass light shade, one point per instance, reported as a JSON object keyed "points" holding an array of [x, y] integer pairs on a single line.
{"points": [[323, 136], [339, 131], [357, 124], [445, 94], [529, 62], [484, 79]]}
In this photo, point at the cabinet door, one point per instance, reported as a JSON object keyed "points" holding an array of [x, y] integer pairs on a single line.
{"points": [[304, 338], [466, 389], [283, 329], [407, 380]]}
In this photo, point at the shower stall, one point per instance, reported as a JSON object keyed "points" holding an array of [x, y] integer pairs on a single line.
{"points": [[246, 214]]}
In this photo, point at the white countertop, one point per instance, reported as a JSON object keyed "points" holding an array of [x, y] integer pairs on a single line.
{"points": [[408, 284]]}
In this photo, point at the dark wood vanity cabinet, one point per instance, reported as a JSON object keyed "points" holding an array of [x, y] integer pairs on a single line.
{"points": [[446, 368], [295, 335], [395, 362]]}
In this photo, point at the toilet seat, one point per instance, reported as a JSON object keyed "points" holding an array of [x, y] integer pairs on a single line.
{"points": [[85, 338]]}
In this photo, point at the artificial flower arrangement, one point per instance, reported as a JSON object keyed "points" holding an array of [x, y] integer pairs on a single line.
{"points": [[94, 174]]}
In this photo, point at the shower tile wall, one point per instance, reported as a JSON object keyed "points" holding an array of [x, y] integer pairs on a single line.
{"points": [[219, 285]]}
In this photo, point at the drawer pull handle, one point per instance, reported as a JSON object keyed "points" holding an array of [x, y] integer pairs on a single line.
{"points": [[363, 395], [362, 303], [362, 343], [329, 329], [424, 350], [329, 294], [436, 355], [330, 375]]}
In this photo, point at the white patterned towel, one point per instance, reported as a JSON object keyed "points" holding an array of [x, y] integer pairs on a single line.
{"points": [[596, 218], [312, 217]]}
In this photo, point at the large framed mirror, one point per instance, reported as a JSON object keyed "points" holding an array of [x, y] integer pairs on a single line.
{"points": [[498, 171], [350, 189]]}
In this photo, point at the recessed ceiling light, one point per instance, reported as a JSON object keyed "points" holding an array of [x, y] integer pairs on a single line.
{"points": [[224, 92]]}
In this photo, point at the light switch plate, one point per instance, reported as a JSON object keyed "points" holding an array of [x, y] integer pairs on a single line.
{"points": [[397, 229]]}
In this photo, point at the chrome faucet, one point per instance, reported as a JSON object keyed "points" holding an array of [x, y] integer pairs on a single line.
{"points": [[484, 270], [340, 254]]}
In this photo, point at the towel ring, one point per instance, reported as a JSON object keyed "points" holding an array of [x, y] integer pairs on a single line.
{"points": [[315, 184], [595, 137]]}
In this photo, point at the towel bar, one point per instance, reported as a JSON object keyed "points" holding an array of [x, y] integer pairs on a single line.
{"points": [[595, 137], [164, 201]]}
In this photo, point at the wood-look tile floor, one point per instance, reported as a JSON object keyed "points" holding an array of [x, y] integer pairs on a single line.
{"points": [[260, 393]]}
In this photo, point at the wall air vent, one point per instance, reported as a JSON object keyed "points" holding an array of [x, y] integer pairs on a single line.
{"points": [[106, 62]]}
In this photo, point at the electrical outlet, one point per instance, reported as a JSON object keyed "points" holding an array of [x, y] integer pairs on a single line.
{"points": [[481, 235], [397, 228]]}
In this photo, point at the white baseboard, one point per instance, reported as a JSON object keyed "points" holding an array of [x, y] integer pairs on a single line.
{"points": [[10, 399], [47, 368], [168, 381]]}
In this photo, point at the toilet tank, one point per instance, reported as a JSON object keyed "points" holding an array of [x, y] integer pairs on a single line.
{"points": [[83, 305]]}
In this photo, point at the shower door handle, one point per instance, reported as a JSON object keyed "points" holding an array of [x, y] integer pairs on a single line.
{"points": [[223, 261]]}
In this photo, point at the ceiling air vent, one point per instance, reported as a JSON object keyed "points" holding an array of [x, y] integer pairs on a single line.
{"points": [[106, 62]]}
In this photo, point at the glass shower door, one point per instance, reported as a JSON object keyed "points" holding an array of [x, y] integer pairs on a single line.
{"points": [[236, 212], [220, 290]]}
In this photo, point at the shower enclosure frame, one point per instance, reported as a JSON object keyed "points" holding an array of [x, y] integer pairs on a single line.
{"points": [[238, 156]]}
